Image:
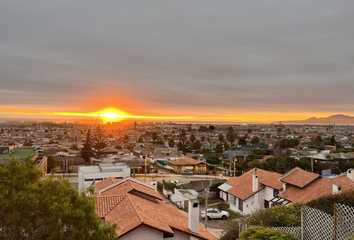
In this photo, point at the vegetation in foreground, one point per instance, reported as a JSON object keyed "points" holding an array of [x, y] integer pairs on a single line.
{"points": [[46, 209]]}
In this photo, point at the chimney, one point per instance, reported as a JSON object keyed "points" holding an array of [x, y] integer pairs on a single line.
{"points": [[255, 181], [337, 188], [154, 184], [193, 215], [350, 173]]}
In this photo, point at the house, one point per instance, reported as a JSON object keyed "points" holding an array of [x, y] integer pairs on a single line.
{"points": [[187, 163], [302, 186], [4, 150], [251, 191], [140, 212], [167, 153], [293, 151], [331, 157], [90, 175], [200, 185], [330, 148]]}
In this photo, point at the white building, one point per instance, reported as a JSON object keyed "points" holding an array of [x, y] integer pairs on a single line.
{"points": [[251, 191], [89, 175]]}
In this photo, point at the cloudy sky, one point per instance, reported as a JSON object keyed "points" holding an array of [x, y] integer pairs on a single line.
{"points": [[236, 60]]}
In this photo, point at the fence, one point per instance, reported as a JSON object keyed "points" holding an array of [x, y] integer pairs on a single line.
{"points": [[317, 225]]}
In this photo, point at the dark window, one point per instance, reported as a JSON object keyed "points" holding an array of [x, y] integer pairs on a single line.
{"points": [[240, 205], [275, 193]]}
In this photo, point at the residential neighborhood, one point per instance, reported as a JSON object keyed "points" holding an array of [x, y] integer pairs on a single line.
{"points": [[153, 180]]}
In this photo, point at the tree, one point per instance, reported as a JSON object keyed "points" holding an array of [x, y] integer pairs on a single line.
{"points": [[171, 143], [50, 163], [218, 148], [189, 128], [165, 137], [226, 146], [98, 135], [46, 209], [332, 141], [87, 151], [196, 145], [242, 141], [192, 138], [74, 147], [255, 140], [202, 138], [183, 144], [231, 135], [221, 137], [154, 136]]}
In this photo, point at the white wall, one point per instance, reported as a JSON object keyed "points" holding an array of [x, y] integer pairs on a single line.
{"points": [[143, 233], [147, 233]]}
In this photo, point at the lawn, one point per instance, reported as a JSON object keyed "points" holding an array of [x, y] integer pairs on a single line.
{"points": [[18, 152]]}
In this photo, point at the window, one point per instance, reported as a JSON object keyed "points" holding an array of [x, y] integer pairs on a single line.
{"points": [[179, 167], [275, 193], [240, 205]]}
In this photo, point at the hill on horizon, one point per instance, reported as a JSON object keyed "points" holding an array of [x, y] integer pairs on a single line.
{"points": [[340, 119]]}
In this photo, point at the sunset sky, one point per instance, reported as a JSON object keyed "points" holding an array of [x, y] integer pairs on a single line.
{"points": [[200, 60]]}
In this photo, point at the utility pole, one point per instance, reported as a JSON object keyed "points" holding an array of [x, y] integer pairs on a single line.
{"points": [[206, 208], [145, 169], [235, 167]]}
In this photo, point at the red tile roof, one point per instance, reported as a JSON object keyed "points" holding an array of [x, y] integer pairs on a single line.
{"points": [[242, 185], [300, 178], [185, 161], [135, 210], [106, 204], [320, 187], [103, 184]]}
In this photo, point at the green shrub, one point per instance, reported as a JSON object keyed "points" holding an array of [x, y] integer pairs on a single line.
{"points": [[348, 165], [326, 202], [232, 233], [278, 216], [260, 233]]}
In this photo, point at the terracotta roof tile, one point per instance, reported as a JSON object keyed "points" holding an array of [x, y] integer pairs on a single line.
{"points": [[132, 211], [320, 187], [104, 183], [185, 161], [271, 180], [242, 185], [106, 204], [300, 178]]}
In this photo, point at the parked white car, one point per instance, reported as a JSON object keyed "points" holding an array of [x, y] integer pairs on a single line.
{"points": [[177, 182], [215, 213]]}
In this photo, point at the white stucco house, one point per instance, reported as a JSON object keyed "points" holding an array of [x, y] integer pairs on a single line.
{"points": [[251, 191]]}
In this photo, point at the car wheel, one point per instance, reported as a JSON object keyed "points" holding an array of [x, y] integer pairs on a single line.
{"points": [[224, 217], [208, 218]]}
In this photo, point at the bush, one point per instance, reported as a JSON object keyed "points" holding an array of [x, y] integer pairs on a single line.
{"points": [[278, 216], [260, 233], [232, 233], [348, 165], [326, 202]]}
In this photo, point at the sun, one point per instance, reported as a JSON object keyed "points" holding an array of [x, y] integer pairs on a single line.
{"points": [[110, 115]]}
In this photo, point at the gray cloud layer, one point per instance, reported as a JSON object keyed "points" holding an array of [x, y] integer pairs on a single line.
{"points": [[226, 57]]}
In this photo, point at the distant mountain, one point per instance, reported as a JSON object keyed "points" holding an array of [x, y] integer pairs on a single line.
{"points": [[339, 119]]}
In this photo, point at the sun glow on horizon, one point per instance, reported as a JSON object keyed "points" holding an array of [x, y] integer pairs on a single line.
{"points": [[113, 114]]}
